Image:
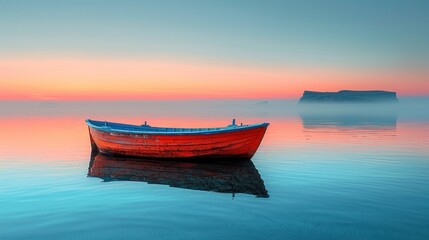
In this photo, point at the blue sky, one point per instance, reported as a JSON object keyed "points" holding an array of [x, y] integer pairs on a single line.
{"points": [[311, 33]]}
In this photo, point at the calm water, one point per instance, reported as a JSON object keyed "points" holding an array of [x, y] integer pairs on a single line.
{"points": [[323, 172]]}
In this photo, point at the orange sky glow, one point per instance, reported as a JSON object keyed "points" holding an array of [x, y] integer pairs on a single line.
{"points": [[83, 78]]}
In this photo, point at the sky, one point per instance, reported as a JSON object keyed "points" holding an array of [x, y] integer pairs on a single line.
{"points": [[102, 49]]}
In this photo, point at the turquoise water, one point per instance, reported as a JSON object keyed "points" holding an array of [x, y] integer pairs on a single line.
{"points": [[329, 172]]}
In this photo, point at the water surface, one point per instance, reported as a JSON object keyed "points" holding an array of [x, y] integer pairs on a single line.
{"points": [[327, 172]]}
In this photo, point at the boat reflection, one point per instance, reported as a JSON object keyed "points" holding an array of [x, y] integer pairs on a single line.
{"points": [[220, 176]]}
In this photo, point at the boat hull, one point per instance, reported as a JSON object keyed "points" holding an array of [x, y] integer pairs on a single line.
{"points": [[240, 144]]}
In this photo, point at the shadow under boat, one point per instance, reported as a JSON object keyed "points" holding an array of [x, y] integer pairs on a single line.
{"points": [[218, 176]]}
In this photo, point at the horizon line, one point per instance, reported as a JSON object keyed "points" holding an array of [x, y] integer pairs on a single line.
{"points": [[164, 99]]}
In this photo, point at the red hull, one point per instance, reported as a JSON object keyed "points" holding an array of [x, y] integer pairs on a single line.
{"points": [[242, 143]]}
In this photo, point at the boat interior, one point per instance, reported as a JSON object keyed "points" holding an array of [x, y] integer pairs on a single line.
{"points": [[147, 128]]}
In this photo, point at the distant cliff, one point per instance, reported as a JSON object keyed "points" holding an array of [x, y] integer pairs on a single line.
{"points": [[348, 96]]}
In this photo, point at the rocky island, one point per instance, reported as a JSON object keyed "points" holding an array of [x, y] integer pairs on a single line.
{"points": [[348, 96]]}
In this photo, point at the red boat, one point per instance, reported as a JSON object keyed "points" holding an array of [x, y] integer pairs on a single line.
{"points": [[233, 141]]}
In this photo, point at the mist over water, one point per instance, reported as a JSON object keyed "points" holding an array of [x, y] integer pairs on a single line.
{"points": [[414, 108], [331, 171]]}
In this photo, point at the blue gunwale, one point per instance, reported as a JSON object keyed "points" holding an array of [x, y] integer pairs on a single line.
{"points": [[146, 129]]}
